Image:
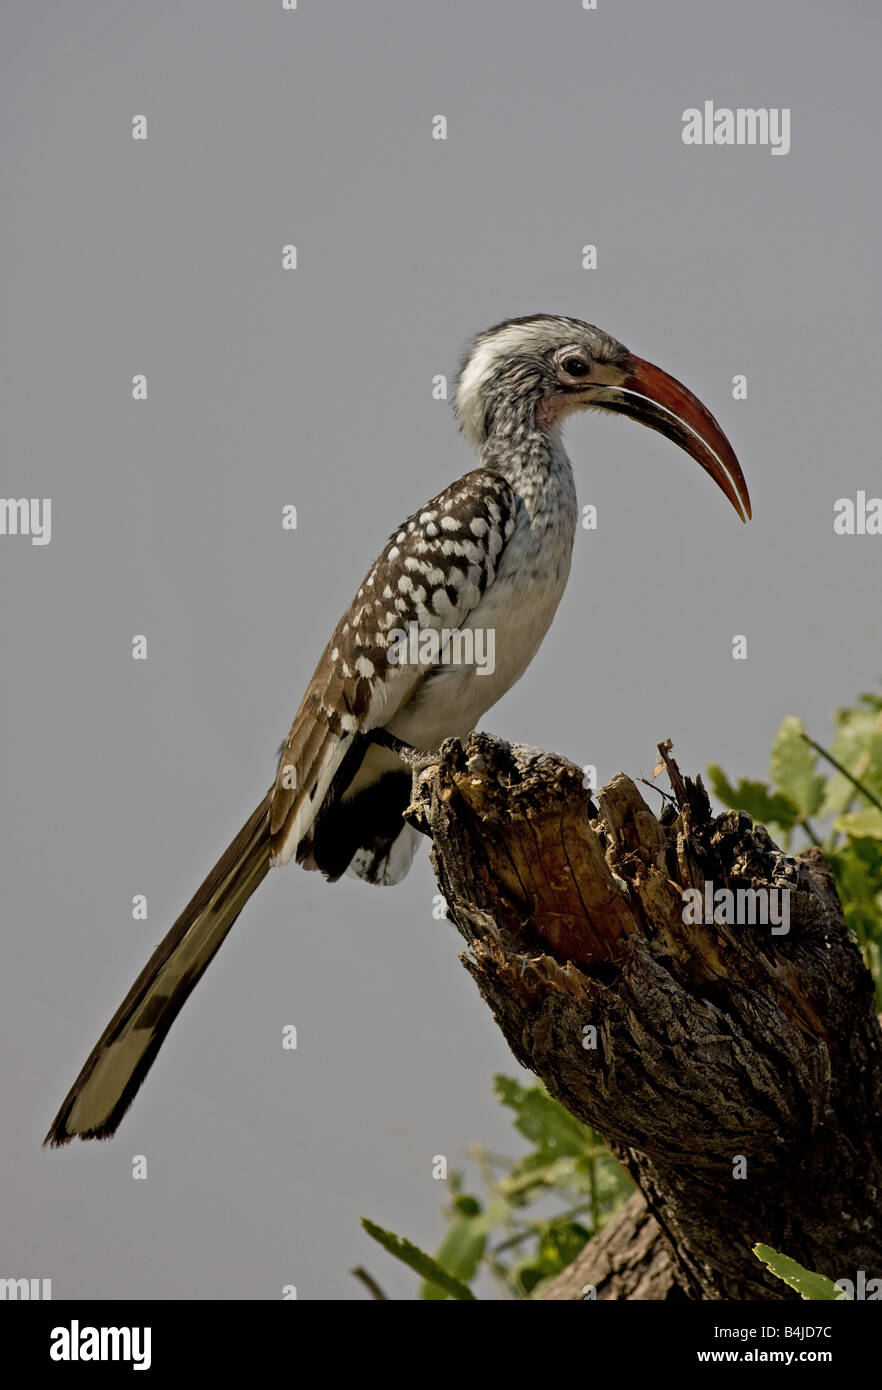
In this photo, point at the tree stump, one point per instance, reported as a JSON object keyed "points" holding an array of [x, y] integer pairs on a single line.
{"points": [[734, 1068]]}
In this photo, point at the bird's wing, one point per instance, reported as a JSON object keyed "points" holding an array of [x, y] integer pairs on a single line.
{"points": [[432, 573]]}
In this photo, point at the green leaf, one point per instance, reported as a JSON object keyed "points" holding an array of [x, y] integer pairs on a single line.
{"points": [[418, 1261], [793, 767], [559, 1243], [857, 867], [761, 804], [469, 1206], [459, 1253], [562, 1242], [810, 1286], [862, 825], [858, 747], [527, 1273], [540, 1119]]}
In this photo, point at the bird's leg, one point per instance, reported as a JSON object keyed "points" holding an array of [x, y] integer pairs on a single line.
{"points": [[417, 759]]}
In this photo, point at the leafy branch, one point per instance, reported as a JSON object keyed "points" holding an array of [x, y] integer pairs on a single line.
{"points": [[847, 802], [530, 1216]]}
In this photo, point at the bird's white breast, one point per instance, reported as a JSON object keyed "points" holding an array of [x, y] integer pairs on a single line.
{"points": [[517, 608]]}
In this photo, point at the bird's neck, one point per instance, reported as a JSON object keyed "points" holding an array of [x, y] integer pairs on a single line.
{"points": [[534, 461]]}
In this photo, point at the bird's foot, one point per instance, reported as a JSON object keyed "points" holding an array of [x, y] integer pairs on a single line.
{"points": [[417, 759]]}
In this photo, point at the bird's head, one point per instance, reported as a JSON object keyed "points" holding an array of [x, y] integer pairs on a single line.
{"points": [[529, 373]]}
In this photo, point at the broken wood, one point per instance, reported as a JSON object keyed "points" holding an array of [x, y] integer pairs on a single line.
{"points": [[735, 1068]]}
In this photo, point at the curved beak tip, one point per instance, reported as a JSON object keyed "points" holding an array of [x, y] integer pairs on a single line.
{"points": [[666, 405]]}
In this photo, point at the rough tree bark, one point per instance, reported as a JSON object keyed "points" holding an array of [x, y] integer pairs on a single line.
{"points": [[737, 1073]]}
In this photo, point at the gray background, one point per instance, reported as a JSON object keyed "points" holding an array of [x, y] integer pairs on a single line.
{"points": [[314, 388]]}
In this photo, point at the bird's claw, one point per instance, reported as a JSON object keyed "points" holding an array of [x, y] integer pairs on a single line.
{"points": [[417, 759]]}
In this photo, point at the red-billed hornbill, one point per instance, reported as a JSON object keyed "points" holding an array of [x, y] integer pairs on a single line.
{"points": [[490, 555]]}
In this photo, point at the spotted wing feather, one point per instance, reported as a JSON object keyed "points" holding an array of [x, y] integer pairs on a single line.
{"points": [[433, 572]]}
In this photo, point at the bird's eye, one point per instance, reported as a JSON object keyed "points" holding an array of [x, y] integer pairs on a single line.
{"points": [[574, 364]]}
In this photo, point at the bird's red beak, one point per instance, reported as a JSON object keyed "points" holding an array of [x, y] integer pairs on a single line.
{"points": [[647, 394]]}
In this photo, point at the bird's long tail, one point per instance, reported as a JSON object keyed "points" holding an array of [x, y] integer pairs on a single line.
{"points": [[125, 1051]]}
